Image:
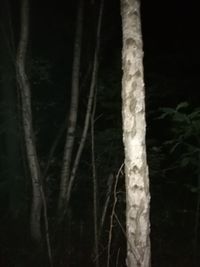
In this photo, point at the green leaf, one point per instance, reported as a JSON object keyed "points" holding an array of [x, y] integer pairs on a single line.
{"points": [[194, 115], [180, 117], [182, 105], [166, 112]]}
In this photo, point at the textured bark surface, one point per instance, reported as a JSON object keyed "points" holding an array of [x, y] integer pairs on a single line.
{"points": [[134, 128], [25, 91]]}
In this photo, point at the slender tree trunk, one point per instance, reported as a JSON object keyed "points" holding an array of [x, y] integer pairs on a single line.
{"points": [[65, 173], [94, 175], [25, 91], [134, 128], [89, 104]]}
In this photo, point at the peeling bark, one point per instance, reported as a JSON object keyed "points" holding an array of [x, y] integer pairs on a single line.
{"points": [[134, 130]]}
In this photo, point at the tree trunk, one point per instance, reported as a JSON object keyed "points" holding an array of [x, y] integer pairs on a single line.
{"points": [[65, 173], [25, 91], [134, 128]]}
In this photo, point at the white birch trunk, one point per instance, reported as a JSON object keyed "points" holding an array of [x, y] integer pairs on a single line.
{"points": [[25, 91], [134, 129]]}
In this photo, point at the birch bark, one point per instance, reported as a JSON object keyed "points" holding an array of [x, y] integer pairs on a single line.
{"points": [[134, 128]]}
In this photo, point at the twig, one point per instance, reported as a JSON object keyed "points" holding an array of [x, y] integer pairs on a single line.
{"points": [[53, 148], [125, 236], [47, 235], [124, 232], [110, 185], [117, 260], [122, 228], [112, 215], [95, 188]]}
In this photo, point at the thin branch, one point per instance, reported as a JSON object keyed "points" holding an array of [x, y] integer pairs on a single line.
{"points": [[46, 223], [62, 129], [125, 235], [89, 105], [108, 196], [117, 260], [112, 215], [95, 188], [53, 148], [73, 113]]}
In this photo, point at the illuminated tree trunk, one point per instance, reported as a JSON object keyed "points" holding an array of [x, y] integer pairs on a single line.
{"points": [[25, 92], [133, 113], [73, 112]]}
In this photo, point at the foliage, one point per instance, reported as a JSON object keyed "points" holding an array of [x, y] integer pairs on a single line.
{"points": [[184, 143]]}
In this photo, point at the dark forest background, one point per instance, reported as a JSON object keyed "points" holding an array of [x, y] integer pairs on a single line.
{"points": [[171, 69]]}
